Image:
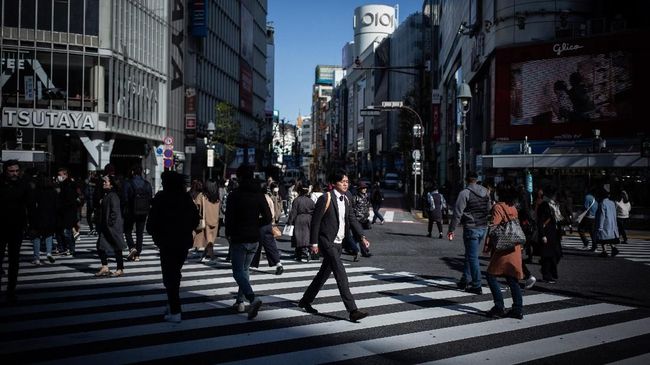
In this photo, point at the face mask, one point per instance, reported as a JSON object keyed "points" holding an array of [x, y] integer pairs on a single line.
{"points": [[275, 190], [60, 178]]}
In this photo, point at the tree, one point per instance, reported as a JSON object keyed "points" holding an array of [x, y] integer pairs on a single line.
{"points": [[226, 132]]}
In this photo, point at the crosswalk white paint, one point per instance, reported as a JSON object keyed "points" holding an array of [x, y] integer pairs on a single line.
{"points": [[68, 316], [636, 250]]}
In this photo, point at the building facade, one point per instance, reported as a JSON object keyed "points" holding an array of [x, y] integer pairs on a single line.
{"points": [[84, 83]]}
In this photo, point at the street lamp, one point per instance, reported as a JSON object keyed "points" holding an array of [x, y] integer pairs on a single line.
{"points": [[210, 145], [464, 96]]}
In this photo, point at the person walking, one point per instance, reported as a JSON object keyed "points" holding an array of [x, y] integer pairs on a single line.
{"points": [[267, 240], [42, 217], [171, 222], [376, 199], [504, 264], [138, 193], [111, 234], [210, 208], [332, 215], [300, 218], [587, 224], [623, 207], [14, 196], [550, 237], [436, 206], [93, 182], [606, 229], [361, 208], [247, 213], [68, 212], [274, 193], [471, 210]]}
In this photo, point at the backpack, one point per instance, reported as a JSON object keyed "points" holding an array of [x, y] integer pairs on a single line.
{"points": [[431, 203], [141, 203]]}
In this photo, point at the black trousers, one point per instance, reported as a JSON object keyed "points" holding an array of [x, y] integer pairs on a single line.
{"points": [[119, 258], [171, 263], [11, 240], [139, 223], [438, 223], [587, 226], [270, 247], [331, 264], [622, 223], [549, 268]]}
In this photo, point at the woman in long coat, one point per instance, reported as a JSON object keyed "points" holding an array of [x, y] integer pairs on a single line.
{"points": [[505, 264], [208, 203], [302, 209], [42, 217], [111, 234]]}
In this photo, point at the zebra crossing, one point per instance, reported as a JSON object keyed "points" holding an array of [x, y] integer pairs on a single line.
{"points": [[66, 315], [636, 250]]}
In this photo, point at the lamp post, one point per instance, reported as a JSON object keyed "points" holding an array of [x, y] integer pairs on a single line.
{"points": [[464, 96], [210, 145], [418, 155]]}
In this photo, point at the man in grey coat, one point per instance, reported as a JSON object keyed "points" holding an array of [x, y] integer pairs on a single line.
{"points": [[471, 210]]}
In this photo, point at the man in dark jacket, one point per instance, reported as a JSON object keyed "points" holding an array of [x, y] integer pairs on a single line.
{"points": [[332, 216], [14, 197], [247, 212], [67, 217], [471, 210], [172, 220], [137, 193]]}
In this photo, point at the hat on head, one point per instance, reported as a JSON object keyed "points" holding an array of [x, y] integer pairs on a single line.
{"points": [[362, 185]]}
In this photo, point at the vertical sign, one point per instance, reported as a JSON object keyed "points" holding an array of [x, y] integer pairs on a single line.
{"points": [[29, 87], [199, 18]]}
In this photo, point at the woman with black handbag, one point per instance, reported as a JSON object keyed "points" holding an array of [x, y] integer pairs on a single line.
{"points": [[504, 263]]}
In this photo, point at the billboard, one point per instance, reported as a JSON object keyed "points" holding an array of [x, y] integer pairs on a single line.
{"points": [[568, 88]]}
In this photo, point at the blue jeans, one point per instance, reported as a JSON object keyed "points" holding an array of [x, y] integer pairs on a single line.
{"points": [[241, 256], [515, 291], [472, 238], [66, 241], [375, 210], [37, 245]]}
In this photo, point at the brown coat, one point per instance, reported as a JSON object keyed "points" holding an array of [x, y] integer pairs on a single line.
{"points": [[508, 263], [210, 212]]}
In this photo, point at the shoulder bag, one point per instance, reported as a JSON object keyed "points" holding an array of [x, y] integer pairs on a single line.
{"points": [[506, 235], [201, 225]]}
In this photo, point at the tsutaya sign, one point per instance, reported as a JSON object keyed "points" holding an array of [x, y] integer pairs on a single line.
{"points": [[49, 119]]}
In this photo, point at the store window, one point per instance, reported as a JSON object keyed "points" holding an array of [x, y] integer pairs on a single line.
{"points": [[92, 17], [92, 83], [61, 15], [27, 14], [108, 70], [42, 71], [75, 82], [44, 16], [59, 90], [77, 16], [10, 13]]}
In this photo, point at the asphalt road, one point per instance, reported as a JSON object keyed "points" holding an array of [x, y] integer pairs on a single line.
{"points": [[597, 313]]}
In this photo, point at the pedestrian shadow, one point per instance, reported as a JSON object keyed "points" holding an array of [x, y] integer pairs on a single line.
{"points": [[406, 234], [594, 295]]}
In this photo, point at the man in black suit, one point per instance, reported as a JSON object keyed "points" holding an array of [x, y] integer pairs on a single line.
{"points": [[332, 217]]}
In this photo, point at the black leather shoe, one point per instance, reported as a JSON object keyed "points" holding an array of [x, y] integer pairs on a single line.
{"points": [[461, 285], [472, 290], [307, 307], [495, 312], [279, 270], [367, 254], [356, 257], [356, 315], [514, 314]]}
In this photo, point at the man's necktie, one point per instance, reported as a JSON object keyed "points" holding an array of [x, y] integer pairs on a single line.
{"points": [[341, 198]]}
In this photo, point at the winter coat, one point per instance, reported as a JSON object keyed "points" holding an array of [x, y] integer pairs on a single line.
{"points": [[547, 227], [172, 220], [606, 227], [111, 233], [14, 197], [42, 211], [472, 207], [247, 212], [300, 217], [68, 205], [505, 263], [376, 196], [210, 212]]}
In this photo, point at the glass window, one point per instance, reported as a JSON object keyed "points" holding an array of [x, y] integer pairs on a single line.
{"points": [[59, 90], [92, 83], [44, 21], [75, 82], [42, 71], [61, 15], [27, 12], [11, 14], [92, 17], [25, 74], [77, 16], [105, 66], [10, 66]]}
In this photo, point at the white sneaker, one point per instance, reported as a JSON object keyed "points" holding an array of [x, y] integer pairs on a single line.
{"points": [[173, 318], [530, 282], [240, 307]]}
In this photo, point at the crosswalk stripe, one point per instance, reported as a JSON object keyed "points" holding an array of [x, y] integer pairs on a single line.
{"points": [[389, 216], [533, 350], [433, 337], [636, 360], [155, 352]]}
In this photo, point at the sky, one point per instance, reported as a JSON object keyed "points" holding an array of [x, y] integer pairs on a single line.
{"points": [[310, 33]]}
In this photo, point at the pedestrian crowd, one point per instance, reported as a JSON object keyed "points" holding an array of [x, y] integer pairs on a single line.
{"points": [[323, 222]]}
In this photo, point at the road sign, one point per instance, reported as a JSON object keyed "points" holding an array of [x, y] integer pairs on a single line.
{"points": [[392, 104], [370, 112], [190, 149], [417, 168], [169, 140], [167, 163], [416, 155], [168, 154]]}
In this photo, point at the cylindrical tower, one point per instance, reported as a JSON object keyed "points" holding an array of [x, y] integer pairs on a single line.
{"points": [[372, 22]]}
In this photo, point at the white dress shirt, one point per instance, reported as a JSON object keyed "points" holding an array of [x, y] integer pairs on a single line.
{"points": [[341, 207]]}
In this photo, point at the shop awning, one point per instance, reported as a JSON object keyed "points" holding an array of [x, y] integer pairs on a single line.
{"points": [[548, 160]]}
